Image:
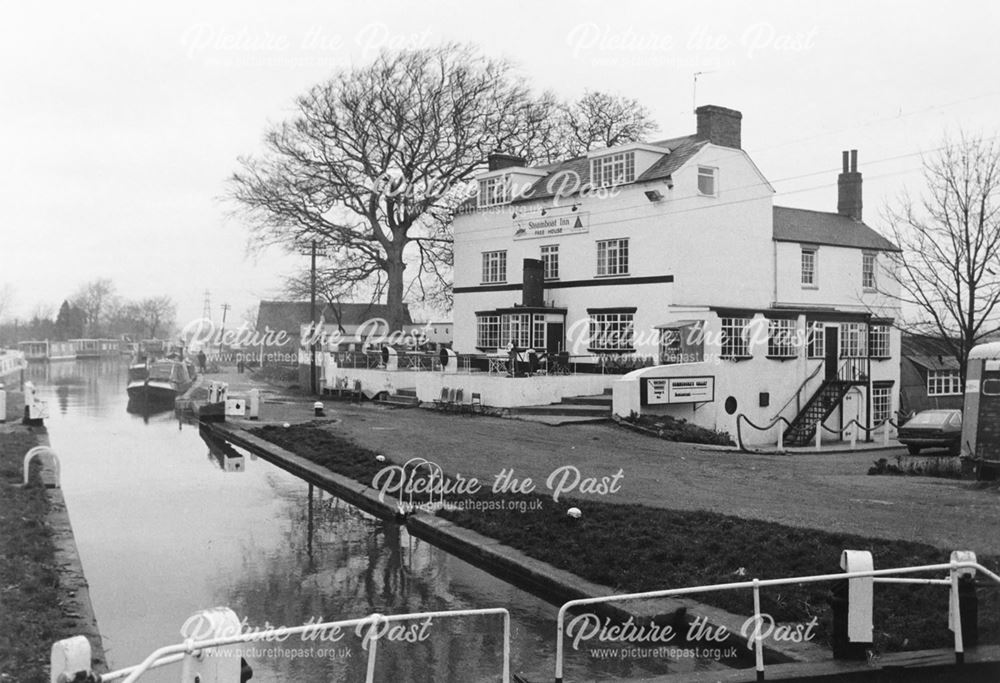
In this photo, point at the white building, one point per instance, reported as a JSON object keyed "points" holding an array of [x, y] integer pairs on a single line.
{"points": [[672, 255]]}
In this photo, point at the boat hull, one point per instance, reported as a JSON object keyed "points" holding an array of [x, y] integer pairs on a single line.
{"points": [[154, 391]]}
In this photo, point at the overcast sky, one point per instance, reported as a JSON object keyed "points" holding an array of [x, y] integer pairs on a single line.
{"points": [[122, 120]]}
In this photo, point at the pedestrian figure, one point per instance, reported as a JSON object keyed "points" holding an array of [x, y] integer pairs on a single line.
{"points": [[512, 357], [202, 361]]}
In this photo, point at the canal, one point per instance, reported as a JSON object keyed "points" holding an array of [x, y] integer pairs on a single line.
{"points": [[164, 530]]}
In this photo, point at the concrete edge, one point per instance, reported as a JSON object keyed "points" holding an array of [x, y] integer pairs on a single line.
{"points": [[488, 554]]}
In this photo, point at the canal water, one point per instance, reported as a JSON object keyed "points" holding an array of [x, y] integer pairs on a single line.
{"points": [[164, 530]]}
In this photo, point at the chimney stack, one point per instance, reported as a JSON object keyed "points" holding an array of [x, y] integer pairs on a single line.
{"points": [[849, 187], [532, 283], [719, 125], [498, 161]]}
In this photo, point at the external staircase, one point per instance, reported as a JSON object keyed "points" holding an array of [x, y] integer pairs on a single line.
{"points": [[828, 397]]}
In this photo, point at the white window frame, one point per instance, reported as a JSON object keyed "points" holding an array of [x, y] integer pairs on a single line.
{"points": [[809, 273], [612, 257], [550, 261], [735, 340], [853, 340], [878, 341], [869, 264], [881, 404], [613, 169], [488, 331], [816, 340], [494, 191], [494, 267], [944, 383], [712, 175], [612, 332], [781, 338]]}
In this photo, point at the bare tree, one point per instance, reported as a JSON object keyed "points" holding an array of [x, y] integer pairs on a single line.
{"points": [[601, 120], [949, 267], [95, 300], [6, 298], [376, 159], [156, 312]]}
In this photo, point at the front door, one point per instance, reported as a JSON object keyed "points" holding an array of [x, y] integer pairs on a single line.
{"points": [[832, 349], [553, 338]]}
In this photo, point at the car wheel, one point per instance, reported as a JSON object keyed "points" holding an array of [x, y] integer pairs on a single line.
{"points": [[914, 450]]}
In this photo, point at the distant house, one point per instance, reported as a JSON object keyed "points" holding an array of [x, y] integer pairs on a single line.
{"points": [[929, 375], [350, 323]]}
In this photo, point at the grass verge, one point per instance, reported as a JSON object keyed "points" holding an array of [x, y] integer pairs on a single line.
{"points": [[637, 548], [29, 583]]}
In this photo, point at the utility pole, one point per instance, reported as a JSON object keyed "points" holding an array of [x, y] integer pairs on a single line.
{"points": [[222, 334], [312, 314]]}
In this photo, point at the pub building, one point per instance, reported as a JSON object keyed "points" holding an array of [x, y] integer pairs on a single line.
{"points": [[671, 258]]}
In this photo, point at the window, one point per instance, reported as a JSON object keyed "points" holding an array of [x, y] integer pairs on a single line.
{"points": [[611, 332], [494, 266], [706, 180], [612, 257], [943, 383], [494, 191], [881, 404], [495, 330], [614, 169], [853, 340], [878, 341], [816, 340], [868, 270], [781, 338], [488, 331], [809, 267], [735, 340], [550, 261]]}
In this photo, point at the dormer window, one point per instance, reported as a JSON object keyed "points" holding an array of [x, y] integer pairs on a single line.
{"points": [[613, 169], [706, 181], [494, 191]]}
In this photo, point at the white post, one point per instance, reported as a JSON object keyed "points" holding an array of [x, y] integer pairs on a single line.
{"points": [[885, 433], [254, 404], [221, 664], [819, 435], [854, 437], [69, 657], [781, 438], [3, 406]]}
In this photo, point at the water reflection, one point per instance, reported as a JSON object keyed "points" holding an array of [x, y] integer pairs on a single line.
{"points": [[168, 525]]}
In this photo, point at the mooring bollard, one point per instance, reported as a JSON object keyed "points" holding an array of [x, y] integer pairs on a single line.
{"points": [[3, 406], [70, 660], [35, 410], [318, 409], [42, 450], [851, 602]]}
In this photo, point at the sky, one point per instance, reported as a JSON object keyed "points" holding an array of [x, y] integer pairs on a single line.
{"points": [[121, 121]]}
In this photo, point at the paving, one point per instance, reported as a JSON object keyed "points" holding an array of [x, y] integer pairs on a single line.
{"points": [[826, 490]]}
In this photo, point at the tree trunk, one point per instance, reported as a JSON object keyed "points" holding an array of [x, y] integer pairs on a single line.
{"points": [[394, 292]]}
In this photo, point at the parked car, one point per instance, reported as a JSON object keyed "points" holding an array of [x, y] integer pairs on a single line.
{"points": [[933, 428]]}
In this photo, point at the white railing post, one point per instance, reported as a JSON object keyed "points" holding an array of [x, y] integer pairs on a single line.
{"points": [[854, 437], [885, 433], [757, 636], [819, 434], [781, 438], [372, 645]]}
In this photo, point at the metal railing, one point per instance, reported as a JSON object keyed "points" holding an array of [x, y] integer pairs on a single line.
{"points": [[885, 425], [757, 584], [193, 649]]}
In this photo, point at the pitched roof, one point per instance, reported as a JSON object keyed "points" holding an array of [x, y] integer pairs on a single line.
{"points": [[821, 227], [291, 315], [680, 151]]}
